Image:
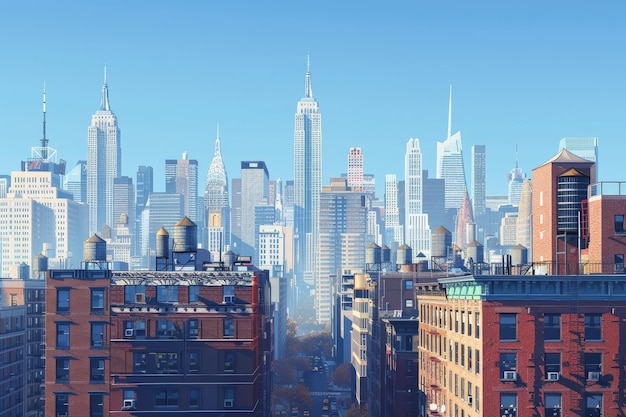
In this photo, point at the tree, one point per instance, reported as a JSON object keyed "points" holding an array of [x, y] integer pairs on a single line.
{"points": [[355, 411], [301, 363], [284, 372], [293, 344], [341, 375], [301, 397]]}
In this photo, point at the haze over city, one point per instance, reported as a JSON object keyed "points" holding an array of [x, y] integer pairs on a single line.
{"points": [[523, 76]]}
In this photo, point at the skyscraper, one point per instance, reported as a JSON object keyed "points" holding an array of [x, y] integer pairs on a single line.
{"points": [[355, 169], [254, 191], [523, 232], [416, 230], [394, 230], [216, 200], [181, 177], [307, 148], [75, 182], [104, 162], [450, 165], [479, 180], [145, 186], [515, 179]]}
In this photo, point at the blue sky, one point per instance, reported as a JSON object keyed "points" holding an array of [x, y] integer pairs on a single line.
{"points": [[524, 74]]}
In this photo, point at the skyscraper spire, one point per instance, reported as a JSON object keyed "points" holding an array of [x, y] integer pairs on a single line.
{"points": [[308, 90], [44, 140], [450, 114], [104, 101]]}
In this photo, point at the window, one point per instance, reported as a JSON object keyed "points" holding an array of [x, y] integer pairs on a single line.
{"points": [[61, 401], [97, 335], [63, 335], [229, 328], [408, 303], [456, 352], [593, 327], [193, 293], [469, 323], [135, 328], [167, 362], [63, 300], [194, 398], [193, 329], [96, 371], [477, 398], [619, 223], [408, 284], [97, 300], [551, 327], [166, 329], [96, 405], [129, 394], [131, 291], [166, 397], [229, 293], [463, 355], [593, 405], [508, 366], [167, 293], [469, 358], [194, 361], [229, 362], [477, 325], [619, 262], [553, 404], [229, 397], [508, 326], [62, 370], [593, 366], [508, 404], [477, 361], [139, 362], [553, 366]]}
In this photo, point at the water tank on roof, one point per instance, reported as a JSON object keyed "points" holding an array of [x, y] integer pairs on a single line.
{"points": [[405, 255], [123, 218], [385, 253], [95, 249], [519, 255], [23, 271], [40, 263], [441, 242], [229, 258], [185, 236], [372, 254], [162, 243], [475, 251]]}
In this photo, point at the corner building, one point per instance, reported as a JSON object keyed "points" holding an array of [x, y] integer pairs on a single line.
{"points": [[540, 346]]}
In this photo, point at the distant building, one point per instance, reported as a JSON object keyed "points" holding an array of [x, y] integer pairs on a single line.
{"points": [[216, 202], [75, 182], [479, 180], [394, 231], [585, 147], [181, 177], [254, 191], [355, 169]]}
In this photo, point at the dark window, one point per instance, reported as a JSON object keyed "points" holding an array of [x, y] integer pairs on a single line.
{"points": [[134, 293], [477, 361], [96, 371], [97, 300], [593, 405], [593, 366], [166, 397], [62, 370], [553, 404], [593, 326], [167, 293], [166, 329], [477, 325], [139, 362], [96, 405], [619, 262], [408, 284], [63, 336], [193, 329], [553, 366], [135, 328], [194, 398], [167, 362], [193, 293], [229, 328], [619, 223], [229, 362], [63, 300], [456, 352], [469, 323], [508, 366], [552, 327], [229, 294], [194, 362], [97, 335], [508, 326], [469, 358], [61, 404], [508, 404]]}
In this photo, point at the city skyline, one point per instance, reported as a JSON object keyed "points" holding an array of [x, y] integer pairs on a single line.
{"points": [[510, 67]]}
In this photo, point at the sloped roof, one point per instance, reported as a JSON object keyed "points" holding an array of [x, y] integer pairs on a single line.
{"points": [[566, 157]]}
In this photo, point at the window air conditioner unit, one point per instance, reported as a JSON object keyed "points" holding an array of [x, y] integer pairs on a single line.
{"points": [[593, 376], [140, 297], [128, 405], [553, 376], [228, 403], [510, 376], [470, 400], [128, 332]]}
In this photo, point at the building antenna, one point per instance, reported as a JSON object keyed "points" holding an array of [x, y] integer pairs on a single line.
{"points": [[450, 113], [44, 140], [515, 156]]}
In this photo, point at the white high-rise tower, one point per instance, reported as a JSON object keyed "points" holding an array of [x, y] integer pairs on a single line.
{"points": [[450, 165], [307, 166], [416, 229], [104, 163]]}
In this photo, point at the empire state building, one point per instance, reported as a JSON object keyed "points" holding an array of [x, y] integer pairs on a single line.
{"points": [[104, 163], [307, 148]]}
